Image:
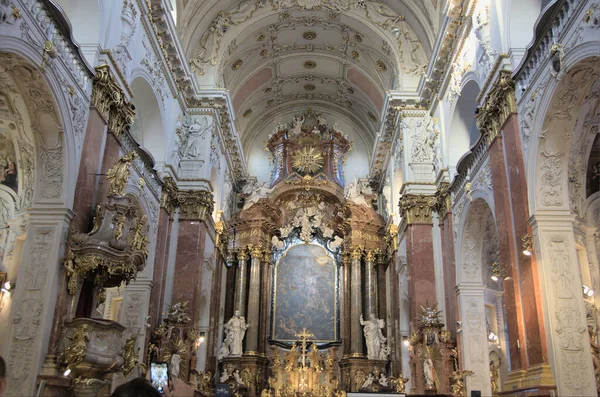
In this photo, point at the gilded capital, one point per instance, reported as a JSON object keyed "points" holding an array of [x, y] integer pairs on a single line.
{"points": [[417, 208], [369, 256], [256, 252], [356, 252], [443, 204], [192, 204], [499, 104], [109, 99], [243, 254]]}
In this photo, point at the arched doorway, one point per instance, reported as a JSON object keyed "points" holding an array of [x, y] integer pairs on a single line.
{"points": [[36, 196]]}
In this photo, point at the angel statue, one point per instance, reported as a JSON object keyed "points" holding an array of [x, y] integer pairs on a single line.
{"points": [[118, 174], [373, 336]]}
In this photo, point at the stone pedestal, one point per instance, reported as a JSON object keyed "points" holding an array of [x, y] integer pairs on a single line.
{"points": [[355, 369]]}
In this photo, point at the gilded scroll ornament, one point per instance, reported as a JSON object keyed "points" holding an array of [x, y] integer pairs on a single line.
{"points": [[118, 174], [130, 355], [499, 104], [458, 382], [77, 348]]}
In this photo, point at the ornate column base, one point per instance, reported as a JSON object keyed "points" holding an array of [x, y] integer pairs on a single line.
{"points": [[537, 380], [254, 364], [355, 369]]}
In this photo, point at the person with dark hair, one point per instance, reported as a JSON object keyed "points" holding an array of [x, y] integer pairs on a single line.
{"points": [[2, 375], [138, 387]]}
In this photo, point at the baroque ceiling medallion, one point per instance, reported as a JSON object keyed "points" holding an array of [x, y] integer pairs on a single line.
{"points": [[309, 87], [309, 35], [237, 64], [381, 66], [310, 65], [355, 55], [307, 160], [261, 37], [247, 113], [358, 38], [264, 52]]}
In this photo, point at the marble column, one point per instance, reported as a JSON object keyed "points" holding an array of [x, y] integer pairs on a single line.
{"points": [[370, 293], [448, 259], [239, 304], [161, 260], [212, 339], [417, 212], [537, 350], [89, 167], [346, 305], [356, 334], [558, 277], [188, 264], [254, 289], [33, 300], [264, 302]]}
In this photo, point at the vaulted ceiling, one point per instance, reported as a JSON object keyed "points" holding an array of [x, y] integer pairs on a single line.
{"points": [[339, 55]]}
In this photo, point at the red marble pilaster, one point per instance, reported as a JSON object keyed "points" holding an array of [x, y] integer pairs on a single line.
{"points": [[512, 293], [537, 350], [159, 275], [396, 355], [212, 339], [82, 209], [449, 264], [187, 282], [346, 307], [88, 170], [264, 305], [419, 259], [112, 153]]}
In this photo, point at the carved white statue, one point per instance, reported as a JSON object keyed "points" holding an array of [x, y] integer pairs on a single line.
{"points": [[354, 194], [373, 336], [174, 365], [277, 244], [368, 381], [236, 327], [225, 349], [383, 380], [238, 379], [298, 121], [336, 243], [428, 373], [259, 192], [224, 375]]}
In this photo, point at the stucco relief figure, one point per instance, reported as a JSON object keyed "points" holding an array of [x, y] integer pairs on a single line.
{"points": [[191, 133], [373, 336], [368, 382], [236, 328], [298, 121], [258, 192]]}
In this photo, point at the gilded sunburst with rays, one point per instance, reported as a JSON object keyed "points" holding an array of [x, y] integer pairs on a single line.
{"points": [[307, 160]]}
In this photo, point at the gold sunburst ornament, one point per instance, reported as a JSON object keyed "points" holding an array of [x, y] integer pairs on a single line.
{"points": [[307, 160]]}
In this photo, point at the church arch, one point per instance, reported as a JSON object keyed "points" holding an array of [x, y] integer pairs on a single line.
{"points": [[149, 133], [463, 132]]}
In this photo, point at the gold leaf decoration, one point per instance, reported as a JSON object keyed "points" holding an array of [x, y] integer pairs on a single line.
{"points": [[307, 160]]}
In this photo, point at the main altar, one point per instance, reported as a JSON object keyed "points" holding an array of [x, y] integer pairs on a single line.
{"points": [[306, 265]]}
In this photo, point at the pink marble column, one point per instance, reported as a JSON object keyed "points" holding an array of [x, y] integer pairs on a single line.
{"points": [[512, 295], [82, 209], [537, 349], [449, 263], [159, 276], [189, 258], [419, 258]]}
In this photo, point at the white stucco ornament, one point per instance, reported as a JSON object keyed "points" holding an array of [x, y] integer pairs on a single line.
{"points": [[309, 4]]}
